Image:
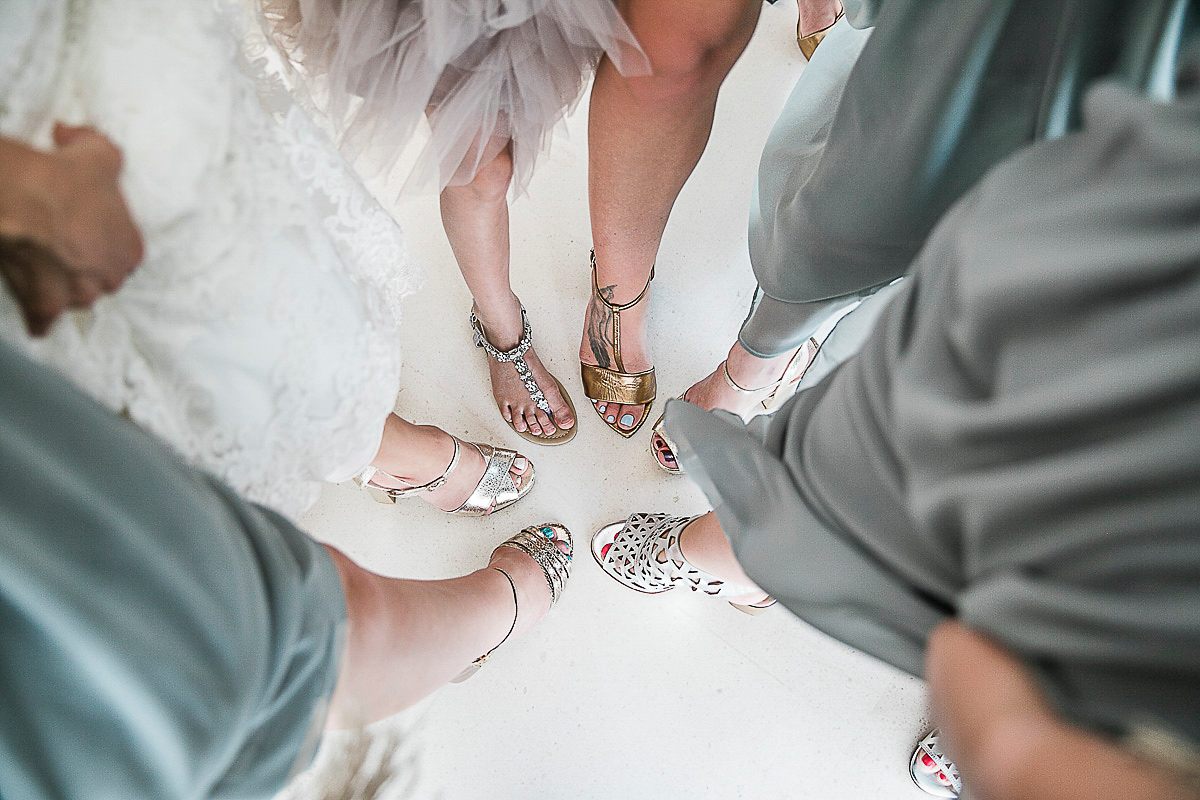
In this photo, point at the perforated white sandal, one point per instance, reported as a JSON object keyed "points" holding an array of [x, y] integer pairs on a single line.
{"points": [[642, 552]]}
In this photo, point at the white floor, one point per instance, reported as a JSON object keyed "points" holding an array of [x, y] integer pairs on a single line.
{"points": [[616, 694]]}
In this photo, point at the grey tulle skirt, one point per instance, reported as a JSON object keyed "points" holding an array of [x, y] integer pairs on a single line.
{"points": [[485, 72]]}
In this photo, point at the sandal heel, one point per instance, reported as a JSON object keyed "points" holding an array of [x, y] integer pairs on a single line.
{"points": [[752, 610]]}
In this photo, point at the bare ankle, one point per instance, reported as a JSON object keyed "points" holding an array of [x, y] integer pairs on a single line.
{"points": [[502, 322]]}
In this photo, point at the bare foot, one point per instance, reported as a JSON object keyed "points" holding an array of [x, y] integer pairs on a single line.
{"points": [[504, 332], [713, 391], [431, 463], [533, 594], [597, 349]]}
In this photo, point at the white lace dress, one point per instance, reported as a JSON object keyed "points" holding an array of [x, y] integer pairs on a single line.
{"points": [[259, 335]]}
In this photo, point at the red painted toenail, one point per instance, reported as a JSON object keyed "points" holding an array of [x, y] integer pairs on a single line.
{"points": [[604, 550]]}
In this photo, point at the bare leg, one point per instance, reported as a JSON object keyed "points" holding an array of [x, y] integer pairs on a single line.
{"points": [[418, 454], [645, 135], [475, 216], [816, 15], [704, 544], [406, 638]]}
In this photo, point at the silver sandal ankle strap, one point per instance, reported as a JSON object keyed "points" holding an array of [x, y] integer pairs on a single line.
{"points": [[364, 478], [515, 356]]}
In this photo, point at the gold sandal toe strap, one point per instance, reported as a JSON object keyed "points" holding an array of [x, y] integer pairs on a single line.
{"points": [[635, 389]]}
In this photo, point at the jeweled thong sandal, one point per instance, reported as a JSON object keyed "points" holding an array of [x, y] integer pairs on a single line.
{"points": [[808, 44], [642, 553], [769, 399], [516, 357], [618, 386], [931, 771], [537, 542], [494, 492]]}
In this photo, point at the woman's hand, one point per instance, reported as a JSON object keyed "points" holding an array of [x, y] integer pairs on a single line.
{"points": [[66, 235], [1009, 744]]}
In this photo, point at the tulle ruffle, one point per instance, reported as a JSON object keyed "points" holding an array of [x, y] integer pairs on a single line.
{"points": [[485, 71]]}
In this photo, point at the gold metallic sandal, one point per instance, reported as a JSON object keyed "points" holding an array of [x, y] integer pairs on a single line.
{"points": [[808, 44], [495, 490], [769, 397], [537, 542], [618, 386], [516, 357]]}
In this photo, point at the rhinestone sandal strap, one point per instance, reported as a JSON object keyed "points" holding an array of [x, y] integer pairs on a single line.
{"points": [[515, 356]]}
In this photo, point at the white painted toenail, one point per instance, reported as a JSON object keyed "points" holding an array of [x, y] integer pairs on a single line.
{"points": [[611, 418], [520, 463], [627, 420]]}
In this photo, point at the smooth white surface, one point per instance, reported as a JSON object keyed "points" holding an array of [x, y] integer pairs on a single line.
{"points": [[616, 694]]}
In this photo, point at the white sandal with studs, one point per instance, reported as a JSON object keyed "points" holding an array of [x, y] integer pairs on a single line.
{"points": [[931, 771]]}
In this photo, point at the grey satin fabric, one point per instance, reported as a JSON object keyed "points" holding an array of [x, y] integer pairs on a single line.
{"points": [[1018, 442], [159, 637], [944, 90]]}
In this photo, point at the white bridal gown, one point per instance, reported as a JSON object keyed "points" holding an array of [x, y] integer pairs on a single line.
{"points": [[259, 335]]}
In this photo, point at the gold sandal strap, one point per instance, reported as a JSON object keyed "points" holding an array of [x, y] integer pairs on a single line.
{"points": [[613, 306], [610, 386]]}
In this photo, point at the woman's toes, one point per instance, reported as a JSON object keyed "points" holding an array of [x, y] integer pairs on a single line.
{"points": [[518, 422], [520, 464], [629, 416], [557, 534], [532, 421], [662, 451], [546, 424]]}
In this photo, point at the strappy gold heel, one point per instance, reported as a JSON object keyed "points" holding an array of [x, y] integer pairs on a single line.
{"points": [[495, 490], [618, 386], [769, 397], [539, 543], [808, 44]]}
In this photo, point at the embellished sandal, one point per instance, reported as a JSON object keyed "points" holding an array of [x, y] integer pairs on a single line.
{"points": [[618, 386], [516, 357], [808, 44], [495, 490], [931, 771], [768, 399], [537, 542], [642, 553]]}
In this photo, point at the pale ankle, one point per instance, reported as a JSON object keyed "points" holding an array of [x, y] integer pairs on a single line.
{"points": [[502, 322]]}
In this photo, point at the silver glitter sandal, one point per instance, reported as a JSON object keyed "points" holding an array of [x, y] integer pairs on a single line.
{"points": [[495, 490], [642, 553], [537, 542], [516, 357]]}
